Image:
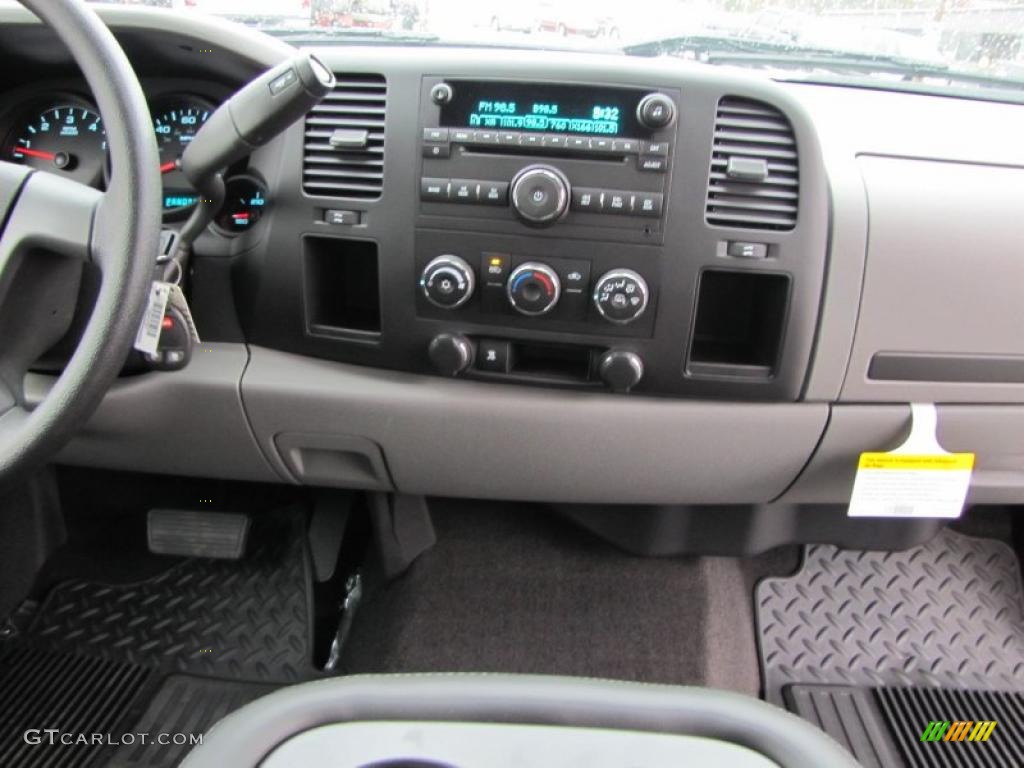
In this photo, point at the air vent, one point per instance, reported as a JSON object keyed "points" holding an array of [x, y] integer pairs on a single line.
{"points": [[344, 150], [754, 181]]}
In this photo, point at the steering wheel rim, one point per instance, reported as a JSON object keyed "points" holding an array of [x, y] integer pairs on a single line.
{"points": [[117, 231]]}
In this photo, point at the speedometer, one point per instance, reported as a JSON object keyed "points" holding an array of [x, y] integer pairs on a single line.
{"points": [[176, 120], [65, 139]]}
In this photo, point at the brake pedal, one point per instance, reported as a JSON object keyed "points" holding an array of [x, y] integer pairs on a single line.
{"points": [[220, 535]]}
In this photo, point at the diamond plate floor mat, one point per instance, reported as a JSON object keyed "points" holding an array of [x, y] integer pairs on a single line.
{"points": [[245, 620], [948, 613]]}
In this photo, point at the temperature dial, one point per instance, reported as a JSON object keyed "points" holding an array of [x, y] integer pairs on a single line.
{"points": [[448, 282], [533, 288], [621, 296]]}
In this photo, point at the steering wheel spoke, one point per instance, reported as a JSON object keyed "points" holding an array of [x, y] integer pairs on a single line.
{"points": [[44, 213]]}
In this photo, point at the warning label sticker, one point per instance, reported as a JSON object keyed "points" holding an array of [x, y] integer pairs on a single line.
{"points": [[918, 479]]}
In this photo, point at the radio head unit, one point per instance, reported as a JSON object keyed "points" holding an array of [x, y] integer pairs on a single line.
{"points": [[545, 108], [581, 160]]}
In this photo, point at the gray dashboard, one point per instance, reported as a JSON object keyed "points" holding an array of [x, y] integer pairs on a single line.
{"points": [[901, 283]]}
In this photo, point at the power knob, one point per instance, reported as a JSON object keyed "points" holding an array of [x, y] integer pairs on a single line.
{"points": [[540, 195], [620, 370], [442, 94]]}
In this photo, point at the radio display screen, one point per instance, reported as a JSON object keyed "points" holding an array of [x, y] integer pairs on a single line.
{"points": [[542, 108]]}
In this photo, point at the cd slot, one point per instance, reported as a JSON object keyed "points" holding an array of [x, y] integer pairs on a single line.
{"points": [[505, 151]]}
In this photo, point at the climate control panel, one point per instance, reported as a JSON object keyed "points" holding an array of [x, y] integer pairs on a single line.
{"points": [[535, 291]]}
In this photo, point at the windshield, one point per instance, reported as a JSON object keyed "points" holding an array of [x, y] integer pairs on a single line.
{"points": [[931, 44]]}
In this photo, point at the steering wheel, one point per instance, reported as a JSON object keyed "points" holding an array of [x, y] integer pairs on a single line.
{"points": [[50, 227]]}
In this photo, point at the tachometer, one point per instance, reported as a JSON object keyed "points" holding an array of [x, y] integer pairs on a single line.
{"points": [[176, 120], [65, 139]]}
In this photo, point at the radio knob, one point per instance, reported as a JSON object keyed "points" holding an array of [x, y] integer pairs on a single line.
{"points": [[621, 296], [448, 282], [540, 195], [656, 110], [533, 288], [620, 370], [442, 94]]}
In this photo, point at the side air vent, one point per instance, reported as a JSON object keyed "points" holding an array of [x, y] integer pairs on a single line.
{"points": [[344, 149], [754, 180]]}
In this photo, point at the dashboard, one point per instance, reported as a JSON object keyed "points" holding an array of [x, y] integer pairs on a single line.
{"points": [[567, 277]]}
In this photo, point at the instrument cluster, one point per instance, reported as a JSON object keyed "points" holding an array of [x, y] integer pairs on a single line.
{"points": [[61, 132]]}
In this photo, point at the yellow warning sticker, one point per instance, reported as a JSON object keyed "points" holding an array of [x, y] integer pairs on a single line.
{"points": [[917, 479], [905, 461]]}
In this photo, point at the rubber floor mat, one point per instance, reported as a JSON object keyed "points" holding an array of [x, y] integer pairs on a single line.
{"points": [[245, 620], [183, 707], [49, 697], [948, 613], [919, 727]]}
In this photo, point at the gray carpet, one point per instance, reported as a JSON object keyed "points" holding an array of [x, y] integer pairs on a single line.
{"points": [[510, 588]]}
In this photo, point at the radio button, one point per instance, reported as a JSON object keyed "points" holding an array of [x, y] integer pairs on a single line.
{"points": [[626, 146], [586, 199], [616, 202], [437, 150], [659, 148], [461, 135], [578, 142], [508, 139], [601, 145], [647, 204], [485, 137], [464, 190], [554, 141], [530, 140], [652, 163], [434, 189], [493, 193], [435, 134]]}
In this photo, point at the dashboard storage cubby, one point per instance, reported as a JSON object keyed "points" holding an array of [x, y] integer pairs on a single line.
{"points": [[342, 287], [739, 324]]}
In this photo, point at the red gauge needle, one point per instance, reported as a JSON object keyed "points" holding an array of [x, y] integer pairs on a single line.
{"points": [[34, 153], [240, 215], [169, 166]]}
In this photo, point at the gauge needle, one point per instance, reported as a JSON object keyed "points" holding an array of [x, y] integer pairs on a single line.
{"points": [[34, 153], [169, 166]]}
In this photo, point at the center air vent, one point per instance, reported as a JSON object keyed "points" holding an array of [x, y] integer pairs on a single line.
{"points": [[344, 149], [754, 181]]}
